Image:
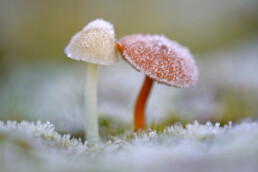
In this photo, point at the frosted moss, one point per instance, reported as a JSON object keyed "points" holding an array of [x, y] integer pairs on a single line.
{"points": [[198, 147]]}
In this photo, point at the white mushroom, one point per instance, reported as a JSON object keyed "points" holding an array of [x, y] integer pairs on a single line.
{"points": [[94, 44]]}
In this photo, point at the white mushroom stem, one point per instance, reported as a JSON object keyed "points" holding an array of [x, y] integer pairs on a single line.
{"points": [[90, 95]]}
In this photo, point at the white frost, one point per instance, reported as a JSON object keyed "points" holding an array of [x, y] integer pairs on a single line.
{"points": [[198, 147], [161, 59], [95, 43]]}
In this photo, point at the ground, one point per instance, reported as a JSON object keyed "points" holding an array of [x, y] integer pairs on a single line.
{"points": [[197, 147]]}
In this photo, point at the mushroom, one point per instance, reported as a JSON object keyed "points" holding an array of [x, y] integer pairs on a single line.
{"points": [[161, 60], [94, 44]]}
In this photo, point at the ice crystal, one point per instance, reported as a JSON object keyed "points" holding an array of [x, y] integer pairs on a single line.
{"points": [[94, 44], [160, 58], [40, 134], [196, 147]]}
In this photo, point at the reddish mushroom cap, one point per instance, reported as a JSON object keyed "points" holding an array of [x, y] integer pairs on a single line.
{"points": [[159, 58]]}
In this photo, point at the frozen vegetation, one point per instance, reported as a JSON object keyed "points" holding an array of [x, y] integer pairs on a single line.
{"points": [[41, 92], [54, 92], [197, 147], [227, 91]]}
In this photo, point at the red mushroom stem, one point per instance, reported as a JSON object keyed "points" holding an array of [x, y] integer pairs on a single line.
{"points": [[139, 115]]}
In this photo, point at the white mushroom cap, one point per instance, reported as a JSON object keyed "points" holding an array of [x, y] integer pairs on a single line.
{"points": [[95, 43]]}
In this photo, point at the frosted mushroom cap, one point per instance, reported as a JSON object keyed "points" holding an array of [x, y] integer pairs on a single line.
{"points": [[159, 58], [95, 43]]}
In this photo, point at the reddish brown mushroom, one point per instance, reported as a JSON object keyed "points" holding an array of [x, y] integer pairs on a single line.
{"points": [[160, 59]]}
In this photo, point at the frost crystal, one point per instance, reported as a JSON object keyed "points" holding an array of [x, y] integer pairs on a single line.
{"points": [[95, 43], [37, 146], [160, 58]]}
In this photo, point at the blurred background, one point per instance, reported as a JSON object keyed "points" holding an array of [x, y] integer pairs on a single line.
{"points": [[38, 82]]}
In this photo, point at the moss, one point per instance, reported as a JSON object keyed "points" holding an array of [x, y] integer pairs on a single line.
{"points": [[171, 119], [111, 128]]}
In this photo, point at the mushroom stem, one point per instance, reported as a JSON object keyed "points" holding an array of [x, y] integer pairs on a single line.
{"points": [[139, 115], [90, 96]]}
